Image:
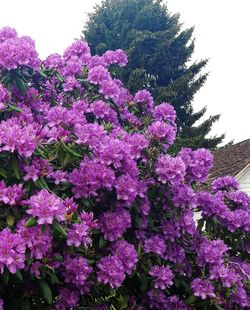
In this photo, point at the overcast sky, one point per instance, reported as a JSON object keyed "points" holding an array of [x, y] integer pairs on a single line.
{"points": [[222, 34]]}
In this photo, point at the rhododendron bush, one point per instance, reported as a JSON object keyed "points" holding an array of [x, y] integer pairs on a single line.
{"points": [[95, 211]]}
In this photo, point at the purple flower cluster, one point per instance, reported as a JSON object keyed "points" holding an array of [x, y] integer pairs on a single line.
{"points": [[155, 244], [93, 208], [159, 130], [211, 252], [4, 96], [46, 207], [16, 51], [24, 139], [170, 169], [80, 233], [67, 299], [111, 271], [114, 224], [76, 271], [11, 195], [225, 183], [91, 177], [198, 163], [164, 111], [158, 300], [12, 251], [126, 253], [163, 276], [202, 289], [37, 241]]}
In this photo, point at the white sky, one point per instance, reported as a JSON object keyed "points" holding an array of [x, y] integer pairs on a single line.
{"points": [[222, 34]]}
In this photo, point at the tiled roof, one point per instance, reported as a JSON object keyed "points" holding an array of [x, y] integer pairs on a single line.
{"points": [[230, 160]]}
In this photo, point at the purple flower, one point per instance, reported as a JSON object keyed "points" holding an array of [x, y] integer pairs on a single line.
{"points": [[11, 195], [15, 52], [91, 177], [187, 222], [144, 96], [46, 207], [175, 253], [17, 136], [1, 304], [155, 244], [80, 233], [126, 253], [136, 143], [4, 94], [7, 33], [35, 269], [159, 130], [102, 110], [90, 134], [170, 169], [114, 224], [12, 251], [211, 252], [240, 199], [78, 48], [111, 271], [38, 168], [227, 276], [163, 276], [198, 163], [98, 75], [202, 288], [59, 176], [225, 183], [183, 196], [164, 112], [76, 270], [171, 230], [68, 298], [53, 61], [37, 241], [115, 57], [126, 188]]}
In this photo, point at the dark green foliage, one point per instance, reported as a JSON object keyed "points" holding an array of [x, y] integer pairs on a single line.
{"points": [[159, 52]]}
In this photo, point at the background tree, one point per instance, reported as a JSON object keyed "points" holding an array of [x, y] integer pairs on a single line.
{"points": [[159, 53]]}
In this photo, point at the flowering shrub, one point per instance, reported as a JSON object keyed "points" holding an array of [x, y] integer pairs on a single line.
{"points": [[95, 212]]}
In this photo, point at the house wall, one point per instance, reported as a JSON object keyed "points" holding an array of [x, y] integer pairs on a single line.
{"points": [[244, 179]]}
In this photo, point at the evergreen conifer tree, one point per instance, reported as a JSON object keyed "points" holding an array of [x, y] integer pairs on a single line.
{"points": [[160, 59]]}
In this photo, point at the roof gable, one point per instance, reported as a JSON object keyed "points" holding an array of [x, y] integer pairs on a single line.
{"points": [[230, 160]]}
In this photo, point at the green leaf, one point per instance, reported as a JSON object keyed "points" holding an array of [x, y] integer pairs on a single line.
{"points": [[57, 228], [46, 291], [14, 108], [15, 167], [21, 85], [5, 276], [10, 219], [44, 184], [3, 173], [42, 74], [102, 243], [19, 275], [70, 151], [218, 307], [191, 299], [31, 222], [60, 78], [25, 304], [144, 282]]}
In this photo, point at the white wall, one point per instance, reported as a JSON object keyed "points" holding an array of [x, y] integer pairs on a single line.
{"points": [[244, 180]]}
